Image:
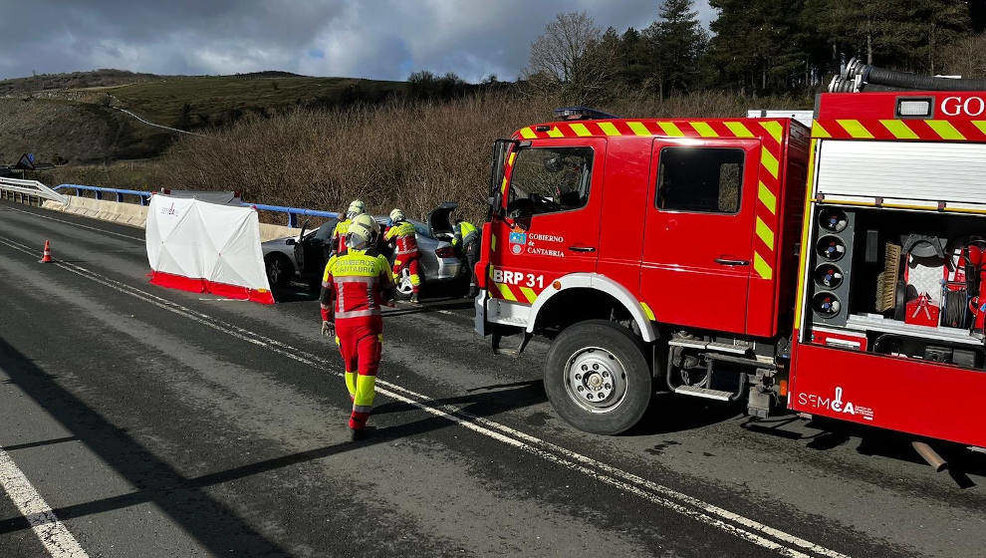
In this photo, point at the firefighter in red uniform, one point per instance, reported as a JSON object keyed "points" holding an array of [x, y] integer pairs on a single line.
{"points": [[353, 288], [338, 243], [401, 234]]}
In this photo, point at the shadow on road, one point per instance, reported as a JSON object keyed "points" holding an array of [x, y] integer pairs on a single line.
{"points": [[212, 524], [482, 402], [831, 434], [184, 499], [670, 413]]}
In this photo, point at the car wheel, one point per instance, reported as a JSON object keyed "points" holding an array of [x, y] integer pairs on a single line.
{"points": [[403, 288], [279, 271], [597, 378]]}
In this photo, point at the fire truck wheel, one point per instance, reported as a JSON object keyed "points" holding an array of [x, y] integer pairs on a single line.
{"points": [[597, 378]]}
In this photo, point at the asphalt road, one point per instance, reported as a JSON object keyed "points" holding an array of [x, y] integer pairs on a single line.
{"points": [[161, 423]]}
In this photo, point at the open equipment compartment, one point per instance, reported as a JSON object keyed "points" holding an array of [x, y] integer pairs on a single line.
{"points": [[896, 282]]}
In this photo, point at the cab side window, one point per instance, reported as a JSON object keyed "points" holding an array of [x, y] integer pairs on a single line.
{"points": [[550, 180], [700, 179]]}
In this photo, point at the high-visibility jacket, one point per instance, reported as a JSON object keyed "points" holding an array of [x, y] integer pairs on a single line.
{"points": [[339, 236], [354, 285], [465, 232], [402, 234]]}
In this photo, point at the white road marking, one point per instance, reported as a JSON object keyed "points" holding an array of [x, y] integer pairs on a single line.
{"points": [[52, 532], [704, 512], [50, 218]]}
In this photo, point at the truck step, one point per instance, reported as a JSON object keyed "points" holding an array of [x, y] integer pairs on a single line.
{"points": [[705, 393], [709, 346]]}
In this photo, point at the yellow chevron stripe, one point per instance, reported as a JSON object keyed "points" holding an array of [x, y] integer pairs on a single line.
{"points": [[580, 130], [855, 129], [767, 198], [609, 129], [554, 132], [671, 129], [493, 248], [527, 133], [769, 162], [899, 129], [648, 312], [513, 156], [529, 294], [739, 129], [503, 187], [774, 129], [639, 128], [762, 267], [981, 124], [704, 130], [765, 234], [817, 131], [506, 292], [945, 129], [805, 232]]}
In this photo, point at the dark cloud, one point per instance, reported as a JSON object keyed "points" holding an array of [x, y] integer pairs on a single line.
{"points": [[383, 39]]}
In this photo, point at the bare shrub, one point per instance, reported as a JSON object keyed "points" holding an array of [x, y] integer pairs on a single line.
{"points": [[411, 156]]}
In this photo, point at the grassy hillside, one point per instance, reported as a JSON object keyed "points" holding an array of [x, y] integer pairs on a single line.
{"points": [[71, 132], [74, 80], [52, 114], [200, 102]]}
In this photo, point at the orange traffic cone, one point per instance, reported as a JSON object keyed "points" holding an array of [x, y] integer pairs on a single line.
{"points": [[46, 257]]}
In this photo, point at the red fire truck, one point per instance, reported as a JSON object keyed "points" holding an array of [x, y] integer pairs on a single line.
{"points": [[834, 271]]}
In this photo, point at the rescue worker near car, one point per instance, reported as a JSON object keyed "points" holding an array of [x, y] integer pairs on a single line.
{"points": [[354, 286], [466, 241], [401, 235], [338, 242]]}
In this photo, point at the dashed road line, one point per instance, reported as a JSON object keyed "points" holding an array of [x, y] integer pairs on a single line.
{"points": [[736, 524], [50, 530]]}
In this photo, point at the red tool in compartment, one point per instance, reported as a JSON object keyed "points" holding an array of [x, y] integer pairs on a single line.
{"points": [[921, 311]]}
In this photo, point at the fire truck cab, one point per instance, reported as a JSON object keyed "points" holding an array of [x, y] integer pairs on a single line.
{"points": [[749, 258]]}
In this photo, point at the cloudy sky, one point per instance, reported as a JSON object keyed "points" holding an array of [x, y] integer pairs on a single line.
{"points": [[382, 39]]}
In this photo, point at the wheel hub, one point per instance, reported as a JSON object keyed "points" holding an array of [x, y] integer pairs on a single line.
{"points": [[595, 379]]}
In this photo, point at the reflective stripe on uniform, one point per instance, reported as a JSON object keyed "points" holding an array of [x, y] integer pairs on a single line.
{"points": [[355, 279], [358, 313]]}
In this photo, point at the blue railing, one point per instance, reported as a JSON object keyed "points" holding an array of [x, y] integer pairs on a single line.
{"points": [[292, 212], [144, 196]]}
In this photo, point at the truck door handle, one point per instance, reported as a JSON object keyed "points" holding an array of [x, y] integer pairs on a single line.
{"points": [[581, 248], [731, 262]]}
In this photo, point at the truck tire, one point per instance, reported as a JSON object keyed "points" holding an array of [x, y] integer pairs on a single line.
{"points": [[597, 378]]}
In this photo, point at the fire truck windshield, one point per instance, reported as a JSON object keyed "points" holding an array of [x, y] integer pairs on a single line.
{"points": [[549, 180]]}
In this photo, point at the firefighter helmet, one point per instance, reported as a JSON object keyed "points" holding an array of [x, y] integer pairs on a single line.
{"points": [[355, 208], [397, 216], [362, 232]]}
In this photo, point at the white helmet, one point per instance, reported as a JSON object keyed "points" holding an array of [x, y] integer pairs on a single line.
{"points": [[362, 233], [355, 208], [397, 215]]}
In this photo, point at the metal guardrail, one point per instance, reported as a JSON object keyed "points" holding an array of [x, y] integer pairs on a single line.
{"points": [[30, 189], [144, 196], [292, 212]]}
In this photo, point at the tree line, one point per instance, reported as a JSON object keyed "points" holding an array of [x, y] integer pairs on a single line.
{"points": [[755, 47]]}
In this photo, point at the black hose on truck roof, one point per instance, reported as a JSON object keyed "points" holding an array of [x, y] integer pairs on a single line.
{"points": [[856, 77]]}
